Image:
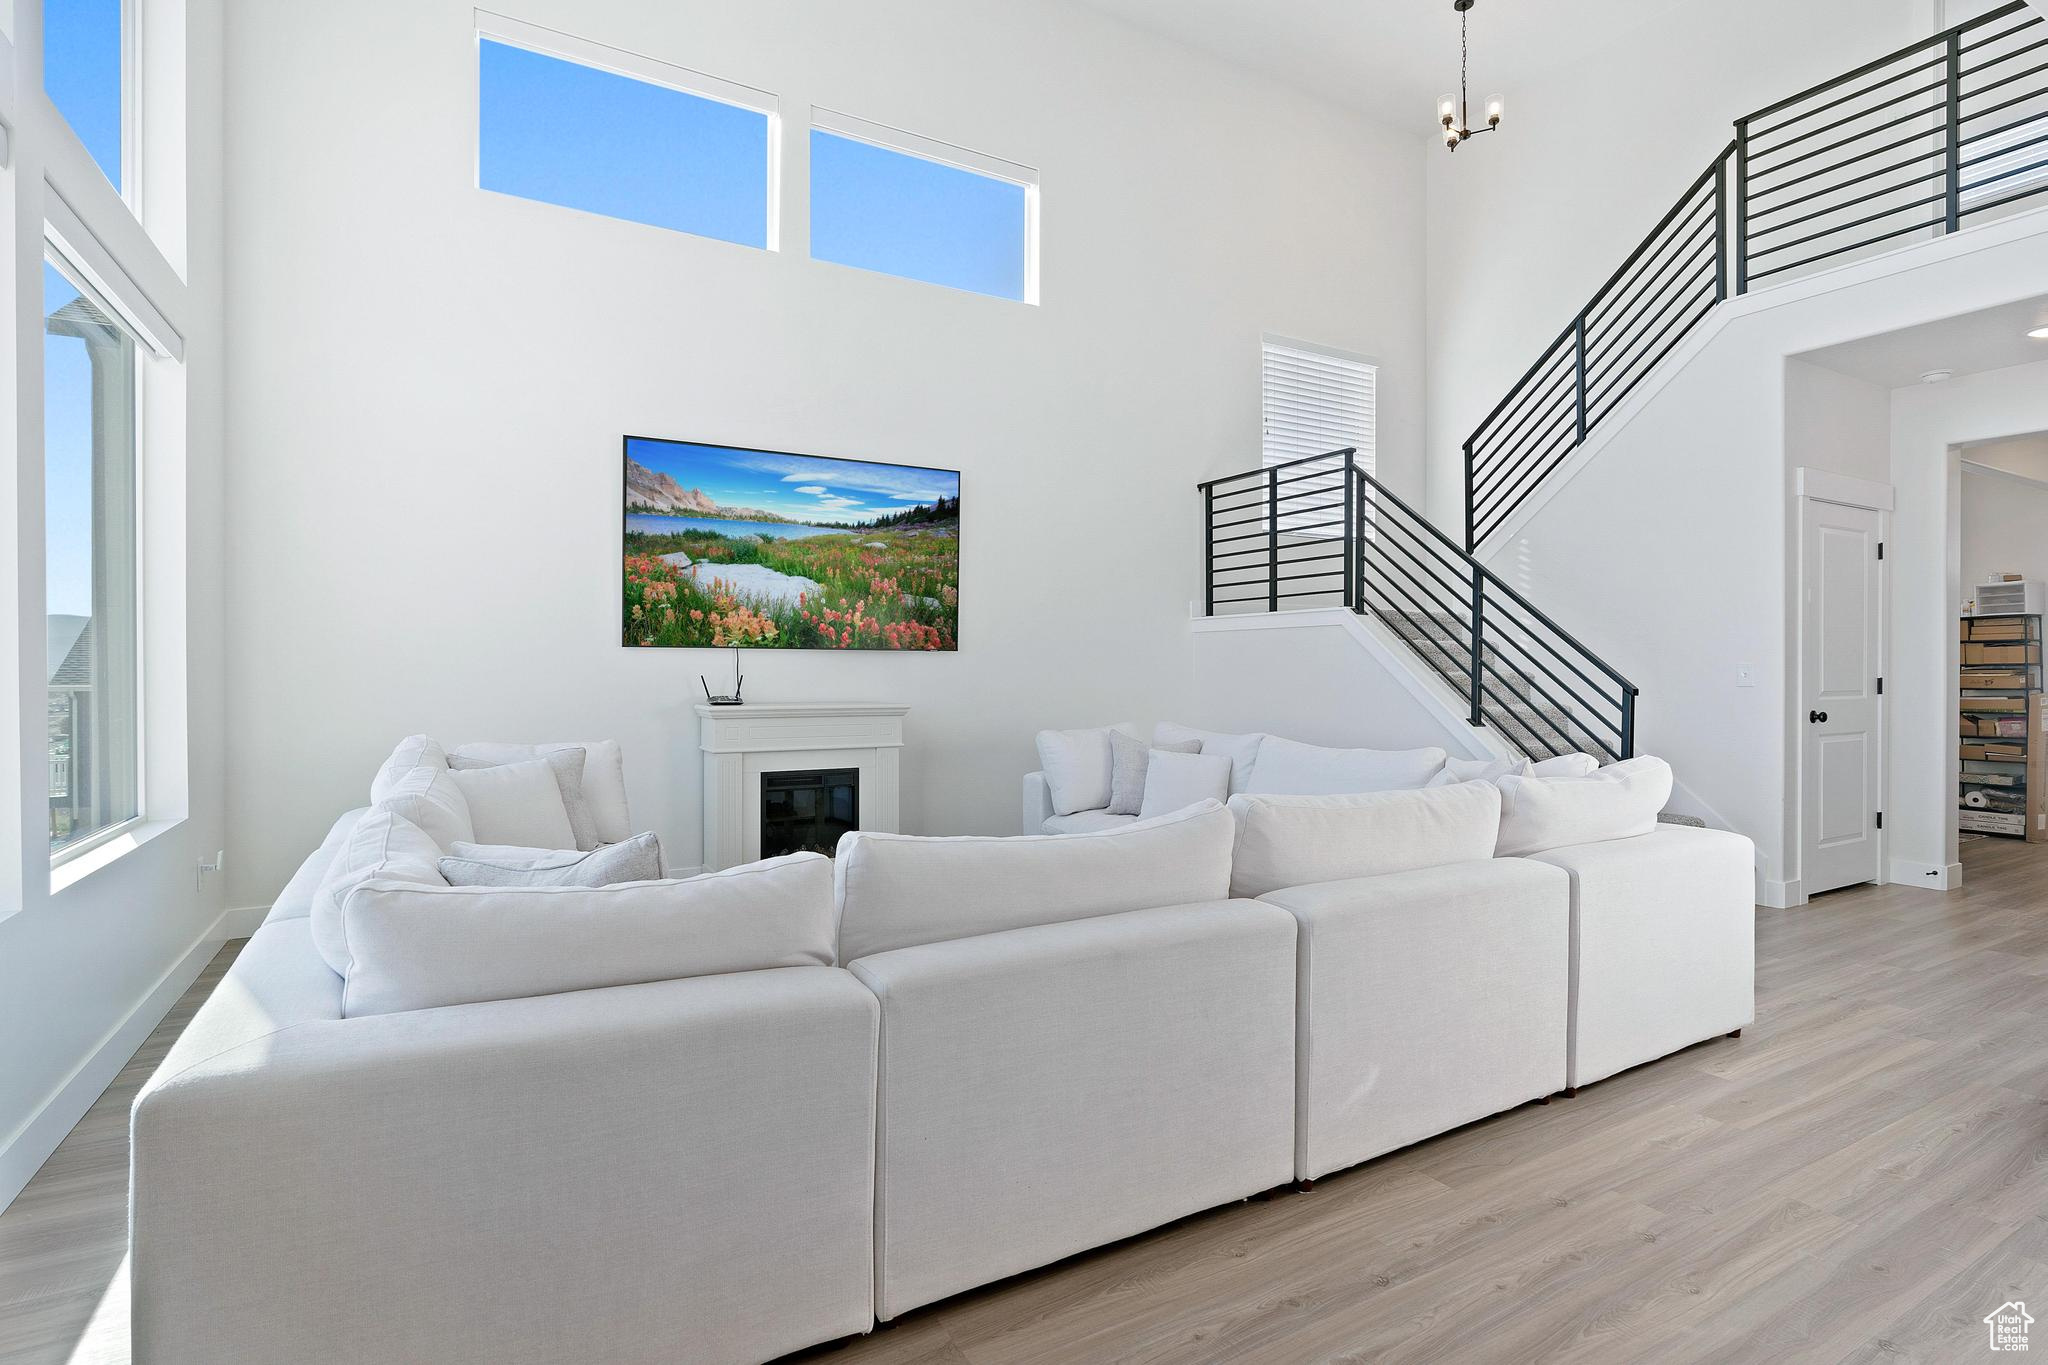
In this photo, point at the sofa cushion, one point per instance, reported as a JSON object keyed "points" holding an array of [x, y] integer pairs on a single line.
{"points": [[428, 797], [1241, 750], [1617, 802], [604, 777], [1078, 766], [1286, 767], [414, 751], [897, 890], [296, 900], [517, 803], [1086, 822], [567, 767], [1176, 781], [638, 859], [1285, 841], [382, 846], [1130, 758], [412, 948]]}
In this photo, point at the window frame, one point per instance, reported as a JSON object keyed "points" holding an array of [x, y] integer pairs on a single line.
{"points": [[586, 52], [906, 143], [60, 260]]}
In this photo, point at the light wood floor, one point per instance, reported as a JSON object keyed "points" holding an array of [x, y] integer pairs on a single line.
{"points": [[1860, 1177]]}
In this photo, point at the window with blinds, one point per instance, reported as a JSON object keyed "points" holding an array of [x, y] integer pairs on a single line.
{"points": [[1315, 401]]}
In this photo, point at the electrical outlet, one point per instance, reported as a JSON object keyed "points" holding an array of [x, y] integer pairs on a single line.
{"points": [[219, 861], [1745, 675]]}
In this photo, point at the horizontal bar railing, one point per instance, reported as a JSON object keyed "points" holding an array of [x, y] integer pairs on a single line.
{"points": [[1907, 147], [1270, 543]]}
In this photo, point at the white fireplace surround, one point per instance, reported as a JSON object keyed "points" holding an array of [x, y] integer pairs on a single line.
{"points": [[742, 742]]}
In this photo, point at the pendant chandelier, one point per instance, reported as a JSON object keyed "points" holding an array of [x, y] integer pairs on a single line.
{"points": [[1453, 111]]}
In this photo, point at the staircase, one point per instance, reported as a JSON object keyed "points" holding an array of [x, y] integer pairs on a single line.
{"points": [[1947, 133], [1944, 134], [1320, 531]]}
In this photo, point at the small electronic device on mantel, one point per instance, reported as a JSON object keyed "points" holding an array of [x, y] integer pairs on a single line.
{"points": [[739, 681]]}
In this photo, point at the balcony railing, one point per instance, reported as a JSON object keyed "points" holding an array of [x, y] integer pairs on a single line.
{"points": [[1321, 530], [1922, 142]]}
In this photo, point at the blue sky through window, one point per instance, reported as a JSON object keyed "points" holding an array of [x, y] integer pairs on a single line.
{"points": [[82, 72], [903, 215], [67, 460], [569, 134]]}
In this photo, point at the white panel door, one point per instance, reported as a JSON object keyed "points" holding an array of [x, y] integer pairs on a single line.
{"points": [[1841, 712]]}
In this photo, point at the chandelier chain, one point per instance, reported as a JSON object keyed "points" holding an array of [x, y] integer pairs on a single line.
{"points": [[1464, 63]]}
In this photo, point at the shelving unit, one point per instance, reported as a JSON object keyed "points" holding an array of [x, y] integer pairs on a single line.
{"points": [[2003, 724]]}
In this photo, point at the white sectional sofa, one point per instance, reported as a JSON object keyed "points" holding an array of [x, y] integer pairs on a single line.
{"points": [[732, 1117]]}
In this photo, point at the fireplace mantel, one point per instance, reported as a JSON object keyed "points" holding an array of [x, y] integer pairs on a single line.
{"points": [[742, 742]]}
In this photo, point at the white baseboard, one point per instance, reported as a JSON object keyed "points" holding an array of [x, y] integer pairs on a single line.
{"points": [[30, 1145], [1779, 895], [1927, 876]]}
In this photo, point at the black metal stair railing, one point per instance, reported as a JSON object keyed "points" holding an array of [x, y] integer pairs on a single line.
{"points": [[1321, 530], [1921, 142]]}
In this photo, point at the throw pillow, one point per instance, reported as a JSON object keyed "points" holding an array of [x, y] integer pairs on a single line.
{"points": [[1619, 801], [1077, 767], [604, 777], [1242, 750], [429, 798], [1287, 767], [1176, 779], [1301, 840], [383, 846], [1493, 770], [414, 751], [638, 859], [567, 766], [516, 803], [1128, 759]]}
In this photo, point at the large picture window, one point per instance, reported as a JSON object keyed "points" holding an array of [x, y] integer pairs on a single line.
{"points": [[90, 531]]}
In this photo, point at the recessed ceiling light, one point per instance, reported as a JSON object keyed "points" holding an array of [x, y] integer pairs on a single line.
{"points": [[2039, 334], [1937, 376]]}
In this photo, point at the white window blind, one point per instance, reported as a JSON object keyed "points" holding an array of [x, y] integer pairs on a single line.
{"points": [[1315, 401]]}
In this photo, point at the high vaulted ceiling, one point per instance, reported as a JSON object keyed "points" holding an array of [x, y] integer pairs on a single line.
{"points": [[1392, 58]]}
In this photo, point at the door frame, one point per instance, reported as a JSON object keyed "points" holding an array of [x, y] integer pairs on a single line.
{"points": [[1812, 486]]}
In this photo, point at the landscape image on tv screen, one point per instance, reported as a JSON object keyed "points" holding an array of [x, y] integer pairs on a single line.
{"points": [[727, 546]]}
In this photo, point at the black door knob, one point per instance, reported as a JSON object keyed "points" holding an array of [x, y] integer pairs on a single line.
{"points": [[1816, 718]]}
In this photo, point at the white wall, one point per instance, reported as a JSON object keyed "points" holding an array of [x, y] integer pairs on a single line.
{"points": [[429, 384], [1525, 224], [1928, 422], [1324, 677], [2004, 526], [1837, 423], [88, 965]]}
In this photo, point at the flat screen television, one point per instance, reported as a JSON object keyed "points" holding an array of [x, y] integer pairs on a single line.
{"points": [[727, 546]]}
